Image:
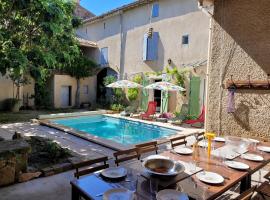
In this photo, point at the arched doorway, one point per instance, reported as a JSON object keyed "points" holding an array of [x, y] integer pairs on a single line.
{"points": [[102, 91]]}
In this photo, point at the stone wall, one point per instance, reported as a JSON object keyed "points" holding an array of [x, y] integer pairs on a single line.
{"points": [[13, 160], [240, 47]]}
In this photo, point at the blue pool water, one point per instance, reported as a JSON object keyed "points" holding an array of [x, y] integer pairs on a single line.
{"points": [[121, 131]]}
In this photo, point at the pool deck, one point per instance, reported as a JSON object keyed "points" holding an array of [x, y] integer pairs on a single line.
{"points": [[181, 131]]}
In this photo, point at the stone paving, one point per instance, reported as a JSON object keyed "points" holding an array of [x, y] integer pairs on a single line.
{"points": [[58, 186]]}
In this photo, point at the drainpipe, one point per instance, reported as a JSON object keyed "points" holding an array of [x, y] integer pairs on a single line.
{"points": [[122, 46], [207, 75]]}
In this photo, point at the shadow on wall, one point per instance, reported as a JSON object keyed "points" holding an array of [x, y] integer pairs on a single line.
{"points": [[248, 23], [241, 115]]}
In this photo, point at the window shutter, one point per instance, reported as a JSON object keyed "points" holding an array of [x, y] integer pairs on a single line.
{"points": [[155, 10], [152, 53], [145, 41]]}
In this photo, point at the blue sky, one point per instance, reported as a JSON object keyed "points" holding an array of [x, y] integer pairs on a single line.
{"points": [[101, 6]]}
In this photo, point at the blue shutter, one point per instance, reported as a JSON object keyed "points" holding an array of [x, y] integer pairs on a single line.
{"points": [[152, 53], [104, 56], [145, 39], [155, 10]]}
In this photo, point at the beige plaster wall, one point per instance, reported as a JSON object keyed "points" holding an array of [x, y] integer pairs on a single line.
{"points": [[176, 18], [6, 90], [240, 47], [65, 80]]}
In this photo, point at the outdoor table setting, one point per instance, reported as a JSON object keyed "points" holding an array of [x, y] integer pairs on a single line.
{"points": [[185, 172]]}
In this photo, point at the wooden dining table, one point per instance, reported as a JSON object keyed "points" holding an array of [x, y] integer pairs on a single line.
{"points": [[93, 186]]}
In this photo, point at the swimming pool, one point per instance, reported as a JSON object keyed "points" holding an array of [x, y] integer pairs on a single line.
{"points": [[125, 132]]}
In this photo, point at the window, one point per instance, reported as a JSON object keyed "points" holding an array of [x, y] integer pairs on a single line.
{"points": [[150, 47], [185, 39], [85, 89], [104, 25], [155, 10], [104, 56]]}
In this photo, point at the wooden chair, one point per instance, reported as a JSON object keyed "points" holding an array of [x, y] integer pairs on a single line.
{"points": [[147, 147], [264, 190], [200, 136], [177, 141], [125, 155], [267, 176], [99, 164], [247, 194]]}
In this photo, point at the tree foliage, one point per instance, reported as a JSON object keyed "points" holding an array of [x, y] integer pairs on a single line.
{"points": [[82, 67], [37, 36], [134, 92]]}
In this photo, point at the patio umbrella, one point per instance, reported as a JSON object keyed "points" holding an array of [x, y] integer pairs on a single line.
{"points": [[165, 86], [124, 84]]}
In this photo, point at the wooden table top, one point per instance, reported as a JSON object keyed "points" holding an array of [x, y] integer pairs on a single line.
{"points": [[191, 185], [202, 190]]}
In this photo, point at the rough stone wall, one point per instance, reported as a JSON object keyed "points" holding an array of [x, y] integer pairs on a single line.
{"points": [[240, 47]]}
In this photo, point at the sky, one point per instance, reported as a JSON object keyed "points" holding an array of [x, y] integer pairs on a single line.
{"points": [[101, 6]]}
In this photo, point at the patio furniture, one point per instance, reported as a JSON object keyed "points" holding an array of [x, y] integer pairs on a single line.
{"points": [[99, 164], [125, 155], [177, 141], [199, 136], [147, 147], [151, 110], [178, 120], [200, 119], [189, 183], [264, 190], [267, 176], [247, 195]]}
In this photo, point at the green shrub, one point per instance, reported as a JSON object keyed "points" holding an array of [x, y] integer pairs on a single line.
{"points": [[134, 93], [10, 103], [117, 107]]}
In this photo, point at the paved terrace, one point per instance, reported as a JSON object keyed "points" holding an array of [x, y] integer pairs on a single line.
{"points": [[57, 186]]}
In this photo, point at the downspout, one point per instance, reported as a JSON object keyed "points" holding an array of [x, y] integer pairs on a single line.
{"points": [[122, 47], [207, 75], [208, 13]]}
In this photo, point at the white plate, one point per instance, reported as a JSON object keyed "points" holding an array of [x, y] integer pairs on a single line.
{"points": [[237, 165], [183, 150], [252, 140], [252, 157], [170, 194], [264, 148], [114, 172], [118, 194], [219, 139], [210, 177]]}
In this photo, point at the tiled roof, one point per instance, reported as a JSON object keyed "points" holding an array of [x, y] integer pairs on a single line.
{"points": [[87, 43], [117, 10]]}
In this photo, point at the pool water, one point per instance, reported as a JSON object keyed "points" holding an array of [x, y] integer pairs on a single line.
{"points": [[122, 131]]}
